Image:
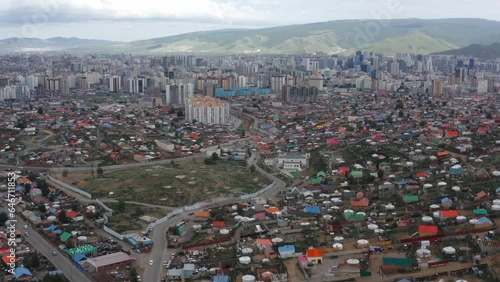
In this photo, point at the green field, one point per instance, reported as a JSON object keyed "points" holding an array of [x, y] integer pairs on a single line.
{"points": [[170, 185]]}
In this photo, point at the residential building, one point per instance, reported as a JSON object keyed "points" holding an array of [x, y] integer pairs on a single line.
{"points": [[207, 109]]}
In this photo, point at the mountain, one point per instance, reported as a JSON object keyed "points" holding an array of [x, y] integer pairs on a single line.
{"points": [[16, 44], [476, 50], [343, 36]]}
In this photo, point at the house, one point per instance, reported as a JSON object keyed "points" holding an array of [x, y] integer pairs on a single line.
{"points": [[111, 261], [293, 160], [22, 274], [202, 214], [426, 230], [446, 203], [449, 214], [286, 251], [220, 278], [218, 224], [314, 256], [174, 273], [482, 196], [188, 270], [360, 203], [410, 198], [263, 243]]}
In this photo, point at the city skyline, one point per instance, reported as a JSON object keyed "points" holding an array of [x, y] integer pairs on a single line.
{"points": [[136, 20]]}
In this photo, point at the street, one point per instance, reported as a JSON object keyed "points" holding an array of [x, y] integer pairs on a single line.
{"points": [[60, 261]]}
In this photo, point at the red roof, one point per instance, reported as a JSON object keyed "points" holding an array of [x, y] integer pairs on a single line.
{"points": [[450, 213], [421, 174], [314, 253], [72, 214], [428, 229], [218, 224]]}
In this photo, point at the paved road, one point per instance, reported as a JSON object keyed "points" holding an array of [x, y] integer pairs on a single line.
{"points": [[60, 261], [153, 273]]}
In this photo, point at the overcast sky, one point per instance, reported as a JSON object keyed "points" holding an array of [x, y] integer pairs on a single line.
{"points": [[127, 20]]}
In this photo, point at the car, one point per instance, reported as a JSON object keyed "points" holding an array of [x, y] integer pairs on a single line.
{"points": [[25, 226], [54, 253], [164, 262], [151, 262], [26, 234]]}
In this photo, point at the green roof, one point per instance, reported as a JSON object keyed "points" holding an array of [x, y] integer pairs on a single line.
{"points": [[481, 211], [316, 180], [85, 249], [410, 198], [357, 173], [65, 236], [356, 216], [321, 173], [397, 261]]}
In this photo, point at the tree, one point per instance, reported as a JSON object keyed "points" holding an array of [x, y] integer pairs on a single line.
{"points": [[120, 206], [489, 116], [209, 161], [215, 157], [133, 275], [42, 208], [27, 188], [3, 218], [44, 186], [40, 111], [32, 261], [180, 113], [252, 168], [100, 171], [55, 278], [65, 173], [92, 172], [138, 211], [74, 206], [63, 217]]}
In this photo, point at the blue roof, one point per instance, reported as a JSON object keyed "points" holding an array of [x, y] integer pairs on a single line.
{"points": [[287, 248], [78, 257], [446, 200], [498, 189], [50, 228], [402, 182], [57, 231], [315, 209], [20, 271], [55, 272], [483, 219], [220, 278], [52, 210], [19, 188]]}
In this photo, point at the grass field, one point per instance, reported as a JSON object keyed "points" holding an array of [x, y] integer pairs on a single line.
{"points": [[170, 185], [128, 220]]}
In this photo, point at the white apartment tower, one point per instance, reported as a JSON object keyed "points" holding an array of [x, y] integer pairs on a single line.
{"points": [[207, 109]]}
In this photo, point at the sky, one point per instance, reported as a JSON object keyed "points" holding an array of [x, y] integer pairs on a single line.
{"points": [[128, 20]]}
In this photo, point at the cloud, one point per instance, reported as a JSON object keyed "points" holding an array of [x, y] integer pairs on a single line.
{"points": [[153, 18], [222, 11]]}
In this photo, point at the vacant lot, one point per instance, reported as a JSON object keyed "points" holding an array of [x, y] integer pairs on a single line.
{"points": [[133, 217], [170, 185]]}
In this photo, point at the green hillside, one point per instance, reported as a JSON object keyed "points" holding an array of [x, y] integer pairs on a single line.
{"points": [[476, 50], [343, 36], [417, 43]]}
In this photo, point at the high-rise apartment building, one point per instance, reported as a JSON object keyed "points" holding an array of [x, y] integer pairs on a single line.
{"points": [[207, 109]]}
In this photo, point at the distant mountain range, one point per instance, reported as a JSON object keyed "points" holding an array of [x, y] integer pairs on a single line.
{"points": [[16, 44], [344, 36], [476, 50]]}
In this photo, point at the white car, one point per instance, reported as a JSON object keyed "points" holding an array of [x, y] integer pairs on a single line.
{"points": [[151, 262]]}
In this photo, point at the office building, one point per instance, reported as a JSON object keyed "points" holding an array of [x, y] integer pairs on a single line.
{"points": [[292, 94]]}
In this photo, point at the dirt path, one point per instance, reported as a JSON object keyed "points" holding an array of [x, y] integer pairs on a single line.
{"points": [[83, 199], [294, 273]]}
